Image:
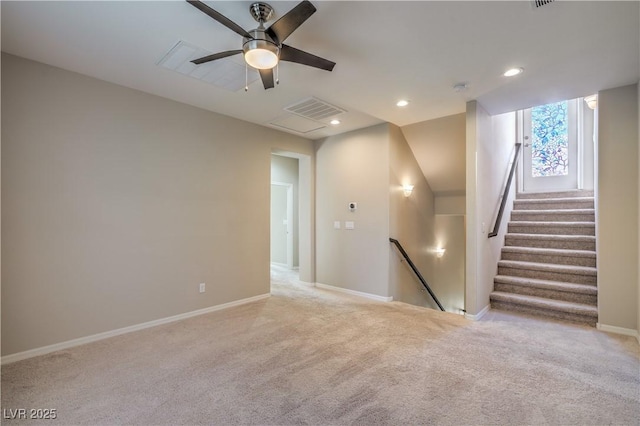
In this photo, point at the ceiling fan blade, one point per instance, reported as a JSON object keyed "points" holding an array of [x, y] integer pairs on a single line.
{"points": [[283, 27], [215, 56], [219, 17], [291, 54], [267, 78]]}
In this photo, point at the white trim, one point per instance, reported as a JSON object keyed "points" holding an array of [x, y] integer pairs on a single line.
{"points": [[618, 330], [107, 334], [580, 136], [479, 315], [355, 293]]}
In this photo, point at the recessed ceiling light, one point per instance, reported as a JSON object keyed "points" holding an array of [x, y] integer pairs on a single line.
{"points": [[402, 103], [335, 122], [460, 87], [513, 71]]}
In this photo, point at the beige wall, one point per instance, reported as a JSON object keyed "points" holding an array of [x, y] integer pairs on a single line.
{"points": [[439, 147], [475, 116], [117, 204], [450, 204], [490, 149], [411, 222], [617, 225], [369, 167], [450, 268], [285, 170], [353, 167]]}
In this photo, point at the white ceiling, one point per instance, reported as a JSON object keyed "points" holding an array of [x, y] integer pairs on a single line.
{"points": [[384, 50]]}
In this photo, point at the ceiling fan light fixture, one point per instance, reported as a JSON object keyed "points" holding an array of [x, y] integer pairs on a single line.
{"points": [[262, 47], [261, 54], [261, 59]]}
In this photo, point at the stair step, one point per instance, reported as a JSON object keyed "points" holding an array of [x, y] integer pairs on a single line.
{"points": [[549, 255], [562, 215], [554, 203], [570, 242], [576, 193], [577, 293], [548, 262], [551, 272], [570, 311], [557, 228]]}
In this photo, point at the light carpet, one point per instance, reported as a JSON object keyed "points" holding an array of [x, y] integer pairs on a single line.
{"points": [[311, 356]]}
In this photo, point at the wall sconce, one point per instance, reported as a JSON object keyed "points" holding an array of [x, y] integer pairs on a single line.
{"points": [[407, 189], [439, 252], [592, 101]]}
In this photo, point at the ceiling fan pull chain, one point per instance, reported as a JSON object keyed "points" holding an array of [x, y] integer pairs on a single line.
{"points": [[246, 77], [278, 73]]}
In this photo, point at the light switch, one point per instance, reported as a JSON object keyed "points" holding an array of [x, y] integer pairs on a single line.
{"points": [[349, 225], [336, 224]]}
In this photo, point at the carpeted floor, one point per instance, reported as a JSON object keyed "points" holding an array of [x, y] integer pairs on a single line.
{"points": [[311, 356]]}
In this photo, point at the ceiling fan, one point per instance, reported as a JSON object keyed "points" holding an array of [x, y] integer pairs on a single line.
{"points": [[263, 47]]}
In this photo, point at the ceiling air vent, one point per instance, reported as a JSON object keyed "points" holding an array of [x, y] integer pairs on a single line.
{"points": [[540, 3], [227, 73], [314, 109]]}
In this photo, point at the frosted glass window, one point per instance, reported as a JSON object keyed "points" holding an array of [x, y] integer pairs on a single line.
{"points": [[550, 140]]}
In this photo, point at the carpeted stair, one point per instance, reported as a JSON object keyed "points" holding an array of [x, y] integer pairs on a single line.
{"points": [[548, 263]]}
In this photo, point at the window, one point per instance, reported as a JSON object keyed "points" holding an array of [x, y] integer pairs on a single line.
{"points": [[550, 140]]}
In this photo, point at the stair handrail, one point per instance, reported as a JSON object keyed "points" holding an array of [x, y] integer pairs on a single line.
{"points": [[503, 202], [415, 270]]}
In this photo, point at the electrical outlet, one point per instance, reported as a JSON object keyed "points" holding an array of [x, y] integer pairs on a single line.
{"points": [[202, 287]]}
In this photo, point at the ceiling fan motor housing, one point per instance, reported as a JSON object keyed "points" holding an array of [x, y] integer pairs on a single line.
{"points": [[261, 12]]}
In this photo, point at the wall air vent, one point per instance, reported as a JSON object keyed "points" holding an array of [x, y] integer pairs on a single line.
{"points": [[314, 109], [227, 73], [540, 3]]}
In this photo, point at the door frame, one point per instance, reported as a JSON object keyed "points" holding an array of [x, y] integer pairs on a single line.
{"points": [[306, 237], [289, 219]]}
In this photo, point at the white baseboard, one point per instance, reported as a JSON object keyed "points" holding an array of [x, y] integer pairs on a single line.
{"points": [[479, 315], [107, 334], [356, 293], [618, 330]]}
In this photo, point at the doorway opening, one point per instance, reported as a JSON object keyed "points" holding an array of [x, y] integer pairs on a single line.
{"points": [[285, 227], [292, 217], [558, 141]]}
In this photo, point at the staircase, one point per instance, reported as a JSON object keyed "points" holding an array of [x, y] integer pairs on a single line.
{"points": [[548, 263]]}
